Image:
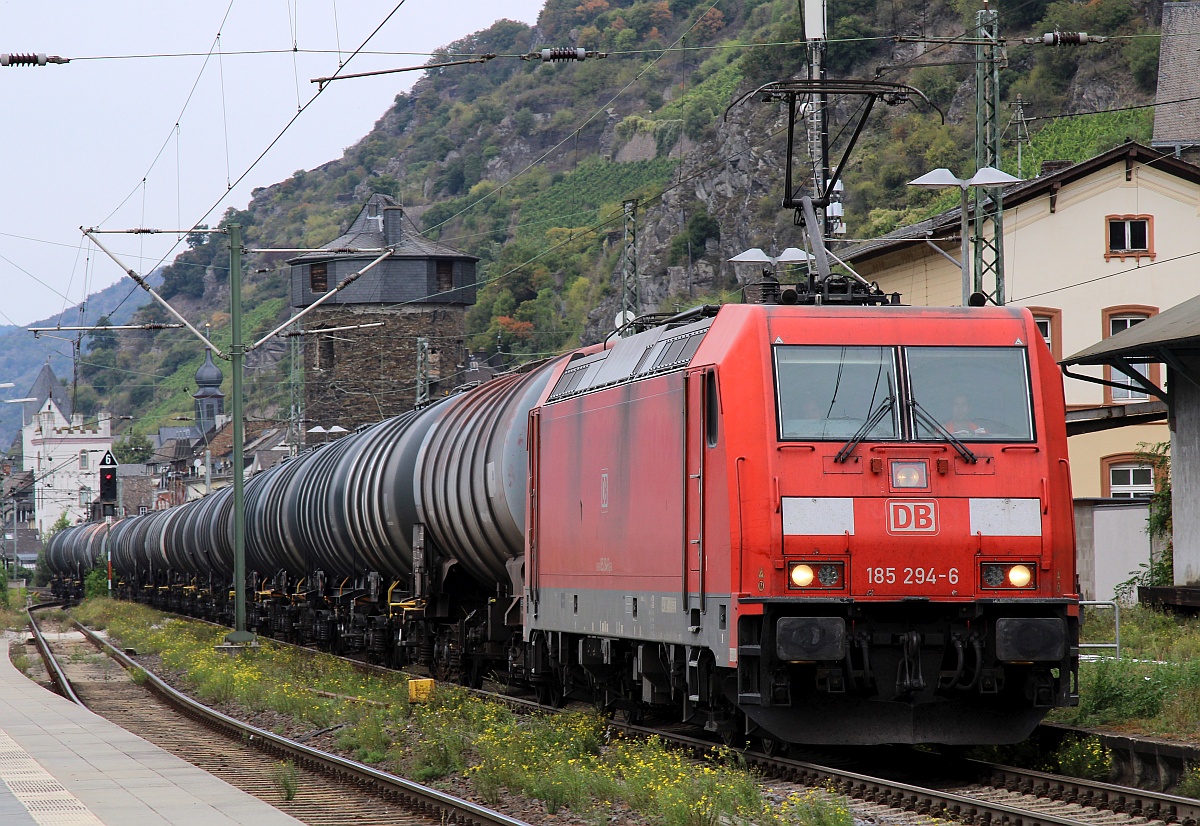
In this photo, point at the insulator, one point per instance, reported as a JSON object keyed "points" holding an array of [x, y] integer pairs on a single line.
{"points": [[1066, 39], [22, 60], [555, 55], [563, 54]]}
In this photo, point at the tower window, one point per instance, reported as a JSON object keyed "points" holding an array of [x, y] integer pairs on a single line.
{"points": [[325, 353], [445, 276], [318, 277]]}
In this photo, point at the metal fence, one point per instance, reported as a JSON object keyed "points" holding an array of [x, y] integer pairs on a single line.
{"points": [[1115, 645]]}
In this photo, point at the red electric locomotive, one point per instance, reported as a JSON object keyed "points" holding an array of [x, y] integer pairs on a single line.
{"points": [[816, 524]]}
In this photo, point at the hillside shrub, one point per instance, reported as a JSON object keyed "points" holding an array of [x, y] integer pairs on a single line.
{"points": [[700, 227]]}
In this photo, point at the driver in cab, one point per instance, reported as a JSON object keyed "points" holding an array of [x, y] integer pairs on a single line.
{"points": [[961, 422]]}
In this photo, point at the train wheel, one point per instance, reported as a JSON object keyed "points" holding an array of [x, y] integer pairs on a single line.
{"points": [[772, 747], [733, 738]]}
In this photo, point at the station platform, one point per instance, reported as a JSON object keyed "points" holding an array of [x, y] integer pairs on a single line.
{"points": [[62, 765]]}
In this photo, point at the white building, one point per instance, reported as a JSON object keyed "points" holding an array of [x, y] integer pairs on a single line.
{"points": [[63, 452]]}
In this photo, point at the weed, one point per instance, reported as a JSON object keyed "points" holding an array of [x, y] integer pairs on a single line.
{"points": [[1084, 757], [284, 775], [815, 808], [138, 676], [1189, 784], [21, 663]]}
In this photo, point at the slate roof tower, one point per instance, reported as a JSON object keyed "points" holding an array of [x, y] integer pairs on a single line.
{"points": [[365, 374]]}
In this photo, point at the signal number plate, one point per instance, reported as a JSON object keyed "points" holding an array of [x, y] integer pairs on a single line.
{"points": [[911, 576]]}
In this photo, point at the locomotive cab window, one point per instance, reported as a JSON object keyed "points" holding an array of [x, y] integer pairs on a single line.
{"points": [[832, 392], [973, 393]]}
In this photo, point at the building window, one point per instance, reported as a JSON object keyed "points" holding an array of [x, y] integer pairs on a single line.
{"points": [[143, 510], [85, 496], [1117, 320], [1129, 236], [1049, 324], [445, 276], [83, 460], [1126, 476], [318, 277]]}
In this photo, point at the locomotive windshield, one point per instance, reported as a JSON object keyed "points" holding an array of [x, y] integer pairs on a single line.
{"points": [[974, 393], [831, 392], [969, 394]]}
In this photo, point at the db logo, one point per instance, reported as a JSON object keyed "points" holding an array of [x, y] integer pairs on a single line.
{"points": [[912, 517]]}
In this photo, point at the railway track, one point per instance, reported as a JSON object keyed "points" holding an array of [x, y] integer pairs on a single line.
{"points": [[968, 791], [328, 789], [965, 791]]}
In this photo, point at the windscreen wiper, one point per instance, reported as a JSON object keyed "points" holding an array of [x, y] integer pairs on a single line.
{"points": [[867, 426], [936, 426]]}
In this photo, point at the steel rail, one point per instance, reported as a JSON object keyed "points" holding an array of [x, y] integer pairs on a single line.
{"points": [[56, 673], [1123, 799], [420, 798]]}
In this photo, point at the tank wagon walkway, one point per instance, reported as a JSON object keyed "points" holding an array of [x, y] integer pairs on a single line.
{"points": [[61, 765]]}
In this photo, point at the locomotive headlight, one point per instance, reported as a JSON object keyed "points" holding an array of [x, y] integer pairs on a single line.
{"points": [[1019, 576], [828, 575], [1007, 575], [801, 575], [816, 574], [909, 475], [993, 576]]}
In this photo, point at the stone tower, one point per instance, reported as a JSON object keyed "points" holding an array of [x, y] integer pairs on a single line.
{"points": [[362, 374]]}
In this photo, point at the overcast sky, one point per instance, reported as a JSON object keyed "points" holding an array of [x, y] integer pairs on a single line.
{"points": [[78, 139]]}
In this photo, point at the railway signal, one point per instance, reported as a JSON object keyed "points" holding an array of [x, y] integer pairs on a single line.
{"points": [[108, 484]]}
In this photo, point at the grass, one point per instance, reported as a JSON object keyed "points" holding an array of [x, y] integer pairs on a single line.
{"points": [[1154, 688], [564, 760], [12, 617], [284, 775]]}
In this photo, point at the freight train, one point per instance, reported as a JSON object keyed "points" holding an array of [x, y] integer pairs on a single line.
{"points": [[805, 522]]}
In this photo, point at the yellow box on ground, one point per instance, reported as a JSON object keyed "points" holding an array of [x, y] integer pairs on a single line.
{"points": [[420, 691]]}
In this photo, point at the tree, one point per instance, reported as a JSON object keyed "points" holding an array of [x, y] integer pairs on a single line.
{"points": [[134, 449]]}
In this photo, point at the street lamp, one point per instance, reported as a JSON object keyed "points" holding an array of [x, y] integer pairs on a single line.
{"points": [[942, 178], [754, 255]]}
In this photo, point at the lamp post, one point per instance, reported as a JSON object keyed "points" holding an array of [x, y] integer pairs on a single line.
{"points": [[942, 178]]}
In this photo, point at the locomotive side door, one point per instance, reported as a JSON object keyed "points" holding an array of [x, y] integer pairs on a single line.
{"points": [[694, 459]]}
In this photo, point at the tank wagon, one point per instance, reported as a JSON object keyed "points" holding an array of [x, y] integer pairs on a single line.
{"points": [[811, 524]]}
